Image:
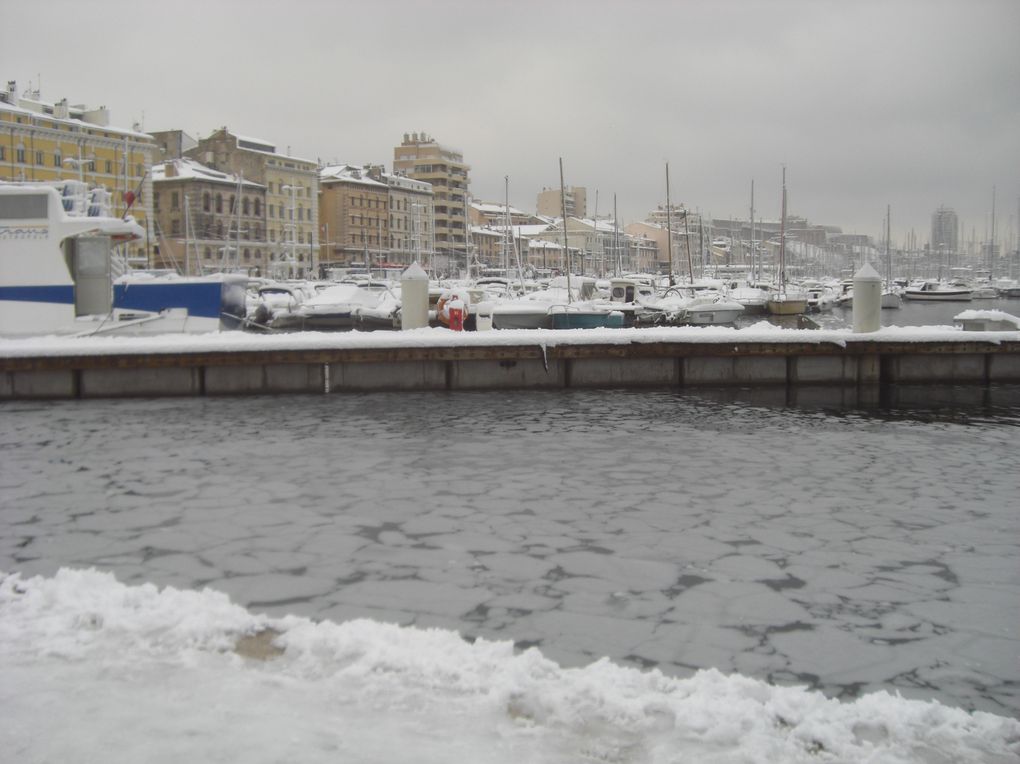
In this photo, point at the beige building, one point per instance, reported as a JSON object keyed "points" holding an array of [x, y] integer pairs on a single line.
{"points": [[206, 220], [292, 198], [48, 142], [371, 218], [550, 202], [419, 156], [354, 212]]}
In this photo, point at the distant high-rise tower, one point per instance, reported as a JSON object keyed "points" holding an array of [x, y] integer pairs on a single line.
{"points": [[944, 230]]}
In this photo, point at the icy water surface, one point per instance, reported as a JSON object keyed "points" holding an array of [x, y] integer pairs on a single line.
{"points": [[848, 551]]}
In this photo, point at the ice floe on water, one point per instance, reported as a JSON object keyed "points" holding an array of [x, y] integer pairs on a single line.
{"points": [[95, 670]]}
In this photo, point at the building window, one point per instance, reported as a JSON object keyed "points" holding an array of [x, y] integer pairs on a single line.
{"points": [[300, 213], [3, 153], [231, 205], [109, 167], [174, 201], [155, 202], [219, 203], [246, 206], [206, 202], [247, 255], [57, 159], [39, 158], [258, 208], [139, 171]]}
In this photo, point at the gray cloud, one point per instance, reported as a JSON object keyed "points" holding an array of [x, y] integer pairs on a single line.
{"points": [[911, 103]]}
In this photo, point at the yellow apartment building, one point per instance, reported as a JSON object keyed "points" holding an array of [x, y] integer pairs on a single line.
{"points": [[48, 142]]}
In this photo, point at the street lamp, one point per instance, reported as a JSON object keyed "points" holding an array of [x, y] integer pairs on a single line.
{"points": [[292, 226]]}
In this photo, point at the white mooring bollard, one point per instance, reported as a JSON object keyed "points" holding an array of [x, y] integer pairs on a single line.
{"points": [[414, 298], [867, 300]]}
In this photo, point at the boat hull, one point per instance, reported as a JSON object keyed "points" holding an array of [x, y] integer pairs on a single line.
{"points": [[787, 306], [585, 319], [946, 296]]}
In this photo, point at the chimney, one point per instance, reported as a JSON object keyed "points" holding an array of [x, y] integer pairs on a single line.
{"points": [[169, 169], [61, 110]]}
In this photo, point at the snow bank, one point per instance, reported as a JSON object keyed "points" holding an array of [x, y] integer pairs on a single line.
{"points": [[93, 670], [239, 341]]}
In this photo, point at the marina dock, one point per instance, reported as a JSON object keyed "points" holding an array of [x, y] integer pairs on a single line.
{"points": [[439, 360]]}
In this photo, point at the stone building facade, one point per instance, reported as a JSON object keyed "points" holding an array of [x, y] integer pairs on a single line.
{"points": [[207, 221], [291, 198]]}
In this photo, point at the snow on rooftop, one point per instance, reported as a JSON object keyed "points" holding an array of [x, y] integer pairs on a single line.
{"points": [[94, 670], [189, 169], [349, 174], [238, 341], [91, 126]]}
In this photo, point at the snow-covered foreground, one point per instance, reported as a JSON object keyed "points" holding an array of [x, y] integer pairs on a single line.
{"points": [[94, 670]]}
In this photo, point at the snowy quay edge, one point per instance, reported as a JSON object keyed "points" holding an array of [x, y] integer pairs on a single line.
{"points": [[862, 368]]}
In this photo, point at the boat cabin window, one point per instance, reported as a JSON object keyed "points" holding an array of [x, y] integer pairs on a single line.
{"points": [[23, 206]]}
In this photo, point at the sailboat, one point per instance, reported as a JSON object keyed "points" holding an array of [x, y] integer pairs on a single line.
{"points": [[783, 301]]}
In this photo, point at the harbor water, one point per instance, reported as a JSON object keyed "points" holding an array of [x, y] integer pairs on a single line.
{"points": [[847, 551]]}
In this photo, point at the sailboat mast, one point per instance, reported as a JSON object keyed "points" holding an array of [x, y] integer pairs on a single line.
{"points": [[753, 248], [991, 249], [782, 239], [618, 266], [888, 256], [669, 228], [566, 242]]}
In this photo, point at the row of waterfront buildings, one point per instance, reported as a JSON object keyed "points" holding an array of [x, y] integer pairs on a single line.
{"points": [[232, 202]]}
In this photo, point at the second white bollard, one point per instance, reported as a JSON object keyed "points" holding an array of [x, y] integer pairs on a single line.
{"points": [[414, 298], [867, 300]]}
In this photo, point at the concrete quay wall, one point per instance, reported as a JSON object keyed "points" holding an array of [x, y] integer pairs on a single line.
{"points": [[866, 365]]}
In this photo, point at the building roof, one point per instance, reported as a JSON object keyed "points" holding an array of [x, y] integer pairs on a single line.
{"points": [[345, 173], [189, 169], [489, 208], [90, 126]]}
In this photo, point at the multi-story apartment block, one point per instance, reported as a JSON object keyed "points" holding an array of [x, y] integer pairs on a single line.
{"points": [[420, 157], [550, 202], [292, 197], [207, 220], [47, 142]]}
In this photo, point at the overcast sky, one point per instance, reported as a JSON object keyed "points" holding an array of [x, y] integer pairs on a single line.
{"points": [[911, 103]]}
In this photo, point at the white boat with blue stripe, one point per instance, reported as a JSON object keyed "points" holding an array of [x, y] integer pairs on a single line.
{"points": [[58, 266]]}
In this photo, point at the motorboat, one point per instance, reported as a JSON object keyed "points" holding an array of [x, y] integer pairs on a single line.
{"points": [[332, 308], [58, 269], [938, 291], [702, 307], [819, 298]]}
